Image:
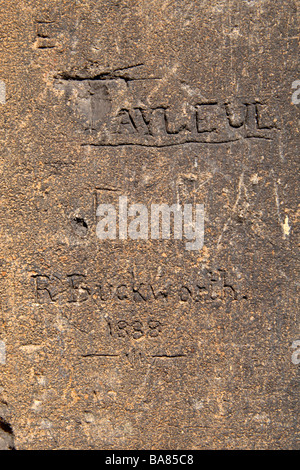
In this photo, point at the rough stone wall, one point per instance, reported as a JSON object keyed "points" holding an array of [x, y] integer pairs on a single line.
{"points": [[142, 343]]}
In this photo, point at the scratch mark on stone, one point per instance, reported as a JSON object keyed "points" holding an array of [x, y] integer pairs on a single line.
{"points": [[227, 223], [285, 227]]}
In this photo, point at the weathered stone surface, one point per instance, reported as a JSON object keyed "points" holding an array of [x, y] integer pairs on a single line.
{"points": [[143, 344]]}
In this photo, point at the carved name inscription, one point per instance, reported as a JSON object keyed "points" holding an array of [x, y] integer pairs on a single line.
{"points": [[208, 286], [207, 122], [114, 110]]}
